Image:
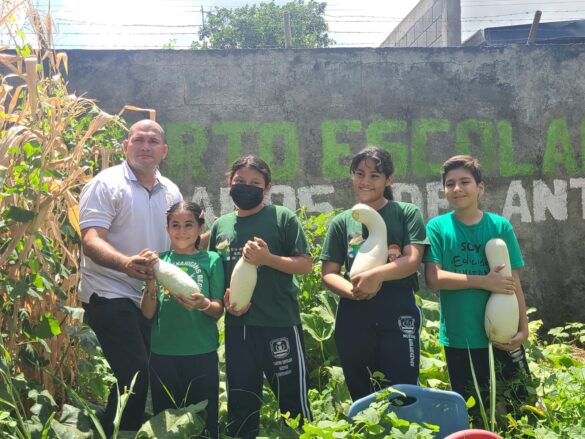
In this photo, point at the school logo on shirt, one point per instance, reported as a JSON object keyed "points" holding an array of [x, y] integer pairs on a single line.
{"points": [[407, 324], [394, 252], [355, 242], [197, 273], [223, 248], [280, 347]]}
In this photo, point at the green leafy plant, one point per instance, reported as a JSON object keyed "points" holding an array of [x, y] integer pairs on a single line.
{"points": [[261, 26], [52, 371], [175, 423]]}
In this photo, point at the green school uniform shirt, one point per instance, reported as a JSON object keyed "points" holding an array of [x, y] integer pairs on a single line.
{"points": [[178, 331], [274, 301], [404, 226], [460, 248]]}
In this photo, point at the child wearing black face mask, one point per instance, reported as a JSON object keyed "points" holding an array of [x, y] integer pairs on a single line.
{"points": [[265, 337]]}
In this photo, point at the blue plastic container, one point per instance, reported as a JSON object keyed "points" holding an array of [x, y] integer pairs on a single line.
{"points": [[422, 405]]}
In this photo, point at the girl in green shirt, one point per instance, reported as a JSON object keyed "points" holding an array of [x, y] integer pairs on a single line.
{"points": [[377, 327], [264, 338], [184, 337]]}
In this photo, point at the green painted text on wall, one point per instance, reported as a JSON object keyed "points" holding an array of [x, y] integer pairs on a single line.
{"points": [[333, 151], [279, 144], [188, 142]]}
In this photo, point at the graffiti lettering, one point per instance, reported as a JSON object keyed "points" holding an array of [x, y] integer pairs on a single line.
{"points": [[517, 192], [421, 129], [189, 141], [558, 135], [234, 131], [508, 166], [287, 167], [279, 144], [547, 201], [333, 151], [376, 134]]}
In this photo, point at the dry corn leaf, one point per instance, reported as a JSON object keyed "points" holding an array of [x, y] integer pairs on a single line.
{"points": [[63, 59], [15, 99], [32, 78], [151, 111], [54, 186], [101, 120], [72, 211], [9, 62]]}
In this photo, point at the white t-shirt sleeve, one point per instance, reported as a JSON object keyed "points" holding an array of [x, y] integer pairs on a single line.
{"points": [[98, 205]]}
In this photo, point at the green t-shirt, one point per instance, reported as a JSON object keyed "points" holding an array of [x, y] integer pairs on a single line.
{"points": [[404, 226], [178, 331], [274, 302], [460, 248]]}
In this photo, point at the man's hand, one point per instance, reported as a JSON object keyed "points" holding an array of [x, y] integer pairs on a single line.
{"points": [[140, 266]]}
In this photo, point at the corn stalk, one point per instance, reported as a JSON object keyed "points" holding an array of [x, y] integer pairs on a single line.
{"points": [[46, 152]]}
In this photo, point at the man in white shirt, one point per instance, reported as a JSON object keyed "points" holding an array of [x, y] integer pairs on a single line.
{"points": [[122, 221]]}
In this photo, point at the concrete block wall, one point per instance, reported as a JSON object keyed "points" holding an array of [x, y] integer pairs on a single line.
{"points": [[518, 108]]}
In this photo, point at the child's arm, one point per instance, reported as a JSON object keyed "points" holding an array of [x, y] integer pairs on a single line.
{"points": [[368, 283], [256, 252], [148, 303], [522, 333], [438, 279], [332, 279]]}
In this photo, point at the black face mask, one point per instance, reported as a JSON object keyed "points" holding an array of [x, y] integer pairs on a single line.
{"points": [[246, 196]]}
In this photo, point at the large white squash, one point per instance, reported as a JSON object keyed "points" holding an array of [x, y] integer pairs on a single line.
{"points": [[174, 279], [242, 283], [374, 251], [501, 312]]}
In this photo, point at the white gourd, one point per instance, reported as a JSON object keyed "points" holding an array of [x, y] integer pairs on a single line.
{"points": [[174, 279], [242, 283], [501, 311], [374, 251]]}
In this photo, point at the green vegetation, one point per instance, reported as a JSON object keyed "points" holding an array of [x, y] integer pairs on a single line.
{"points": [[262, 26], [53, 376]]}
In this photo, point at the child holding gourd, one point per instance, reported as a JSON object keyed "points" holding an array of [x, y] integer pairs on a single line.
{"points": [[377, 327], [264, 337], [456, 265], [184, 338]]}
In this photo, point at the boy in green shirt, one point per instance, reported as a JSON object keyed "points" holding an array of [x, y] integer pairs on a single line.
{"points": [[456, 264]]}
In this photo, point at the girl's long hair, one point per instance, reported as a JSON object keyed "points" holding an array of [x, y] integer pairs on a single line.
{"points": [[382, 161]]}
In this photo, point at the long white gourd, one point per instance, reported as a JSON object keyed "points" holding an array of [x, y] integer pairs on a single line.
{"points": [[174, 279], [242, 283], [374, 251], [501, 311]]}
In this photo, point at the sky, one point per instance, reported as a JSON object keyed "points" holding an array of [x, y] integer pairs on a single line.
{"points": [[150, 24]]}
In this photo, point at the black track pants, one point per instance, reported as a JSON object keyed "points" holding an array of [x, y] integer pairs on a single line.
{"points": [[124, 335], [189, 379], [253, 352], [511, 373], [378, 335]]}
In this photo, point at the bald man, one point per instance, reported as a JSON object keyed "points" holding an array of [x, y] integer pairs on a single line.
{"points": [[122, 220]]}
